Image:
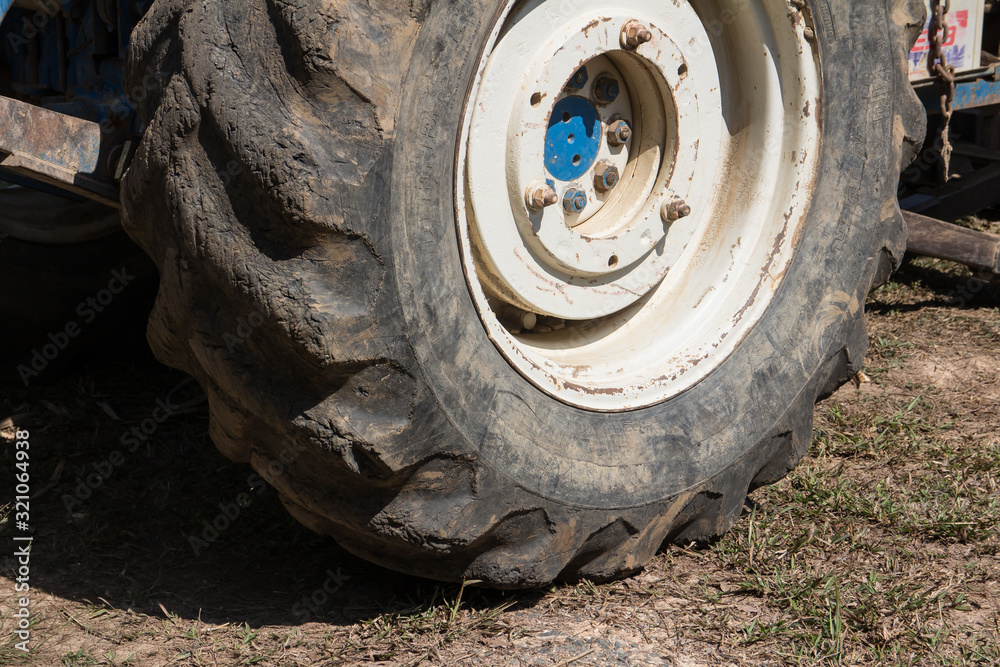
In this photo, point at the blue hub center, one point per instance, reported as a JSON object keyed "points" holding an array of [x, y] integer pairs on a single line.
{"points": [[573, 138]]}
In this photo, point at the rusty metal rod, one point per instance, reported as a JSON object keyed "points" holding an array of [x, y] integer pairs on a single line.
{"points": [[55, 148]]}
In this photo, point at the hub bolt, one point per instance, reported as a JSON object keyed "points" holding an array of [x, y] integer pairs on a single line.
{"points": [[517, 319], [540, 195], [574, 201], [674, 209], [605, 176], [579, 79], [606, 90], [635, 34], [619, 132]]}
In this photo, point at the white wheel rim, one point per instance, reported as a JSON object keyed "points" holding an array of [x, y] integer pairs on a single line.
{"points": [[622, 306]]}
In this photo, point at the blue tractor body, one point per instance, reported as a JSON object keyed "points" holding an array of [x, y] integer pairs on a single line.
{"points": [[66, 57]]}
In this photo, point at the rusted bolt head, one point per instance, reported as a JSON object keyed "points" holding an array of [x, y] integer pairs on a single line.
{"points": [[619, 132], [605, 176], [635, 34], [540, 195], [606, 90], [675, 209], [579, 79], [574, 201]]}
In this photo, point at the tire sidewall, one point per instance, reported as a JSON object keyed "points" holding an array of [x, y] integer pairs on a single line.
{"points": [[617, 460]]}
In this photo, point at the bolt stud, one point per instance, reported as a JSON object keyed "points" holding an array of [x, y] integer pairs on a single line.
{"points": [[634, 35], [517, 320], [539, 196], [574, 201], [675, 209], [619, 132], [605, 176], [606, 90]]}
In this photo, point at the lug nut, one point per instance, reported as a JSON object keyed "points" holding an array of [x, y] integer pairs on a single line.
{"points": [[579, 79], [538, 196], [619, 132], [675, 209], [606, 90], [605, 176], [574, 201], [635, 34]]}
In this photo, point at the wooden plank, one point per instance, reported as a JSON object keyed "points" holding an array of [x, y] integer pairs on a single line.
{"points": [[943, 240]]}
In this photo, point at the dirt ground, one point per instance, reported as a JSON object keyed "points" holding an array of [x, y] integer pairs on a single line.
{"points": [[881, 548]]}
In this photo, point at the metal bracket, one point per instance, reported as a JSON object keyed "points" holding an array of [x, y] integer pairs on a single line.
{"points": [[57, 149]]}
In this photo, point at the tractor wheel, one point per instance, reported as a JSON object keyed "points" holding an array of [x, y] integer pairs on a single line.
{"points": [[516, 291]]}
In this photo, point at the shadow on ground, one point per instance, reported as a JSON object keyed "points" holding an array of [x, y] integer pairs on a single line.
{"points": [[967, 291], [133, 508]]}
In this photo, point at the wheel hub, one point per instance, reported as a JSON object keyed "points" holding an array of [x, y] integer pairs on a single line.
{"points": [[604, 245], [602, 144], [573, 138]]}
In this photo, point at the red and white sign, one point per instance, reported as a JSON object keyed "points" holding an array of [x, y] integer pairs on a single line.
{"points": [[962, 44]]}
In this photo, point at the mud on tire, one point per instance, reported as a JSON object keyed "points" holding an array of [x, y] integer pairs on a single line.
{"points": [[294, 189]]}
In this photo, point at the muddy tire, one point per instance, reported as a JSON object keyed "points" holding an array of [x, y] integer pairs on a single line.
{"points": [[323, 279]]}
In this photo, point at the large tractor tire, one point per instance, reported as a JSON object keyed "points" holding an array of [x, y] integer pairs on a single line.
{"points": [[463, 322]]}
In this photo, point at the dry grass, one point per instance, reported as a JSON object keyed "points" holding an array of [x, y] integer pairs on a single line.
{"points": [[881, 548]]}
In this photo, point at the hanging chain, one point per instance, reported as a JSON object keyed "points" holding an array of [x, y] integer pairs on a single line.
{"points": [[937, 63]]}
